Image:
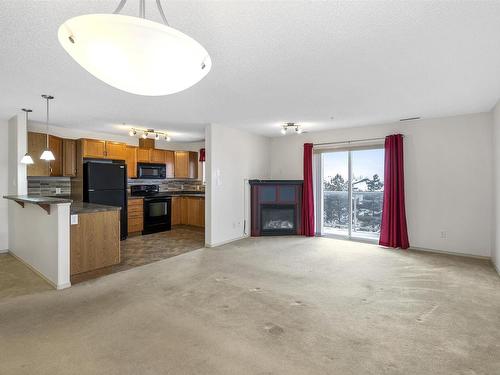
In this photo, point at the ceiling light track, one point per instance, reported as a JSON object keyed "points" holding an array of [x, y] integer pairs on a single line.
{"points": [[291, 126], [147, 132]]}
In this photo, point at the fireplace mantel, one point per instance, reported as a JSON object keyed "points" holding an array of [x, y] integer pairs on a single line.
{"points": [[276, 207]]}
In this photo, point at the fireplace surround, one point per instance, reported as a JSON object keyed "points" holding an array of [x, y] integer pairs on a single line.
{"points": [[276, 207]]}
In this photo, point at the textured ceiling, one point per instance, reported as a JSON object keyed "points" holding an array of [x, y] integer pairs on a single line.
{"points": [[305, 61]]}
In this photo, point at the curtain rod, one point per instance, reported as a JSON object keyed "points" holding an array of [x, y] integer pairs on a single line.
{"points": [[351, 141]]}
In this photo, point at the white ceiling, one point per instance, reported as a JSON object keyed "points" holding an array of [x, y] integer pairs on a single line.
{"points": [[275, 61]]}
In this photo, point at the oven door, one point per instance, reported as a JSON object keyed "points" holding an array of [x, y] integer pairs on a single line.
{"points": [[151, 171], [157, 214]]}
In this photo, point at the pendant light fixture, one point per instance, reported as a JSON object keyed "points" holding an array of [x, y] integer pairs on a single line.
{"points": [[134, 54], [47, 154], [27, 159]]}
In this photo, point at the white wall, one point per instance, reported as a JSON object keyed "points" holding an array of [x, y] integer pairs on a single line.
{"points": [[448, 164], [17, 183], [4, 188], [495, 253], [233, 157]]}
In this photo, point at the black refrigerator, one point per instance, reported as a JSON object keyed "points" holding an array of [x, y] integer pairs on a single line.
{"points": [[105, 182]]}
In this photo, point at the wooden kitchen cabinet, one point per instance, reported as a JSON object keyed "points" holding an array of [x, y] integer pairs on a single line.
{"points": [[115, 150], [170, 164], [135, 215], [93, 148], [181, 164], [157, 156], [143, 155], [94, 241], [37, 142], [56, 166], [176, 211], [188, 211], [69, 157], [186, 164], [193, 165], [131, 161]]}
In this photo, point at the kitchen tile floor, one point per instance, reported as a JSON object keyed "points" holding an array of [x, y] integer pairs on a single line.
{"points": [[140, 250]]}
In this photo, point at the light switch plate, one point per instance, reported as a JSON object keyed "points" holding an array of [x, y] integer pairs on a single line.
{"points": [[74, 219]]}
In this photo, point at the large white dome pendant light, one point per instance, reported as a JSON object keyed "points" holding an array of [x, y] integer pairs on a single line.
{"points": [[134, 54], [27, 159], [47, 154]]}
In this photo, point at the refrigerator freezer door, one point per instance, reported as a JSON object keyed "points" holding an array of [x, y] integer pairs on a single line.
{"points": [[105, 176]]}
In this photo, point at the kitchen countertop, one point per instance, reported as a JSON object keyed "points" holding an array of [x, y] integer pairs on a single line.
{"points": [[172, 194], [37, 199], [85, 208]]}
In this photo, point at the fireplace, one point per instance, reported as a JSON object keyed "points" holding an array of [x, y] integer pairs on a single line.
{"points": [[278, 219], [276, 207]]}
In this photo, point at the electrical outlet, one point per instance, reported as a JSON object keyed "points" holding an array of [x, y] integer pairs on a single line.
{"points": [[58, 190], [444, 234]]}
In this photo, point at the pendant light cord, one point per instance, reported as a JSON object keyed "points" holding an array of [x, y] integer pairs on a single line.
{"points": [[47, 97], [142, 9]]}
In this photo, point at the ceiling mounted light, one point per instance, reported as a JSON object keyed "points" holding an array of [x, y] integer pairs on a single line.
{"points": [[167, 138], [293, 126], [27, 159], [47, 154], [157, 136], [145, 135], [132, 132], [134, 54]]}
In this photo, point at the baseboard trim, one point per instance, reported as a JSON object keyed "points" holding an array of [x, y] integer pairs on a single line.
{"points": [[54, 285], [450, 253], [4, 251], [497, 267], [225, 242]]}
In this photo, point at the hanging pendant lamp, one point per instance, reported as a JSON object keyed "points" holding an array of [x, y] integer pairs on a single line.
{"points": [[134, 54], [47, 154], [27, 159]]}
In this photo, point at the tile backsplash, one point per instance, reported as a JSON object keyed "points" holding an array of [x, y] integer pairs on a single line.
{"points": [[48, 186], [171, 184]]}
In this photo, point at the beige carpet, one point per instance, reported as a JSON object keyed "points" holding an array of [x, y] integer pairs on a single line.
{"points": [[17, 280], [265, 306]]}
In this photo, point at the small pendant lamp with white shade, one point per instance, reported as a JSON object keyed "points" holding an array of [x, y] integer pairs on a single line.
{"points": [[27, 159], [47, 154]]}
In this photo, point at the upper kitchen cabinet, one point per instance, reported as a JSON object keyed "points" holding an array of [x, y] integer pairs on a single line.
{"points": [[69, 157], [157, 156], [37, 143], [170, 163], [93, 148], [143, 155], [131, 160], [186, 164], [193, 164], [56, 146], [115, 150]]}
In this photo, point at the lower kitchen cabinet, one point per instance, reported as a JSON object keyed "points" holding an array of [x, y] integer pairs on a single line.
{"points": [[94, 241], [188, 211], [135, 212]]}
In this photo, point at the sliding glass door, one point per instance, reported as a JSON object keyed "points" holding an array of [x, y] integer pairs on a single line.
{"points": [[352, 192]]}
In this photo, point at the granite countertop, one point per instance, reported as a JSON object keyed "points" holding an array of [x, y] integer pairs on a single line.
{"points": [[37, 199], [85, 208]]}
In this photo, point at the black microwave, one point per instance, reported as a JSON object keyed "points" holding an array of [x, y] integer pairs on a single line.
{"points": [[151, 171]]}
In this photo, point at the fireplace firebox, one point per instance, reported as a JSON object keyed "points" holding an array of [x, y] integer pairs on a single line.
{"points": [[276, 207]]}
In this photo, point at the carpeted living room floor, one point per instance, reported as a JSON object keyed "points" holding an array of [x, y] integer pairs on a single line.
{"points": [[288, 305]]}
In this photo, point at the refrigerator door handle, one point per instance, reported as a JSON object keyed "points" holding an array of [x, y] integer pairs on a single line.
{"points": [[91, 190]]}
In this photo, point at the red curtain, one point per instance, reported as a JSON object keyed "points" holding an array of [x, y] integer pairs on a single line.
{"points": [[393, 231], [307, 194], [202, 154]]}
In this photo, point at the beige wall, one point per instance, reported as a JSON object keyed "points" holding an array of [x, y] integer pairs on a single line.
{"points": [[495, 253], [448, 164]]}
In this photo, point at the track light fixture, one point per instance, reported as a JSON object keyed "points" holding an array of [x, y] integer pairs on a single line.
{"points": [[146, 132], [291, 126]]}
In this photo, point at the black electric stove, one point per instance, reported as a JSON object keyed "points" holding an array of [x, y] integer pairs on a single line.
{"points": [[157, 208]]}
